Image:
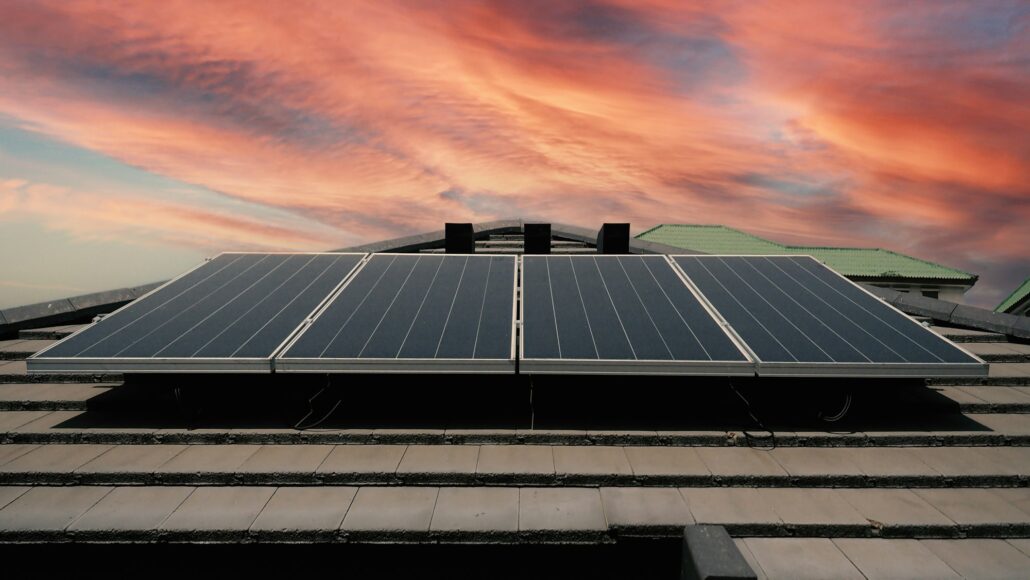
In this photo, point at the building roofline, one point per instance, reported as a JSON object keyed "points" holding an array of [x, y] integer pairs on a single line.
{"points": [[482, 230], [64, 310], [435, 239], [1015, 299], [966, 277], [955, 314]]}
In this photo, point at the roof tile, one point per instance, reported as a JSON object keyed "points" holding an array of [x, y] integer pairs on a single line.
{"points": [[856, 262]]}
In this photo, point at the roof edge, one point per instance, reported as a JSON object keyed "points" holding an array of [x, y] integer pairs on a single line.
{"points": [[64, 310], [435, 239], [952, 313], [1017, 297], [967, 276]]}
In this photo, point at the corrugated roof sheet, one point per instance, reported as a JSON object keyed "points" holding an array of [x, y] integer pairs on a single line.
{"points": [[1017, 296], [858, 262]]}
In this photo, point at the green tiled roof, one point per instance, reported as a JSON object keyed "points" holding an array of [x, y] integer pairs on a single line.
{"points": [[1017, 296], [855, 262]]}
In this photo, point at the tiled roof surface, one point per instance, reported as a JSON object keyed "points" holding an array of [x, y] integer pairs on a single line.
{"points": [[1018, 295], [876, 495], [856, 262], [930, 478]]}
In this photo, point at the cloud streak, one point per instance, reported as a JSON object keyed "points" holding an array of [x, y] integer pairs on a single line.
{"points": [[901, 126]]}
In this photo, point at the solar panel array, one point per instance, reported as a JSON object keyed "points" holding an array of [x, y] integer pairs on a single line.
{"points": [[230, 314], [619, 314], [799, 317], [583, 314], [415, 313]]}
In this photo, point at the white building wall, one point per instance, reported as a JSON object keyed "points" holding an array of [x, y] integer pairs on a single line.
{"points": [[949, 293]]}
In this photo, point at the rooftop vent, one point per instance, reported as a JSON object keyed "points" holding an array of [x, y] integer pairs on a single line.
{"points": [[613, 239], [537, 238], [459, 239]]}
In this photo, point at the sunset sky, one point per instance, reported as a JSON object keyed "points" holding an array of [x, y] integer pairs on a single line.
{"points": [[138, 137]]}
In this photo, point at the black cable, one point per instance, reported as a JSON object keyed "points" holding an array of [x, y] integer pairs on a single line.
{"points": [[840, 414], [184, 411], [311, 408], [748, 437], [532, 409]]}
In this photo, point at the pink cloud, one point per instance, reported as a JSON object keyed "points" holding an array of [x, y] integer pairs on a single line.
{"points": [[114, 216], [851, 123]]}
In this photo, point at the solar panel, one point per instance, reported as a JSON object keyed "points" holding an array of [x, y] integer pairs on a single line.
{"points": [[230, 314], [799, 317], [619, 314], [415, 313]]}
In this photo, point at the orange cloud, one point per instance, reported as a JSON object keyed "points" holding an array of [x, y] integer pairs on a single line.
{"points": [[112, 216], [853, 123]]}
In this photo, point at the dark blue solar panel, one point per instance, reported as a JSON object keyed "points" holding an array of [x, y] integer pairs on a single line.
{"points": [[630, 309], [415, 307], [236, 306], [793, 309]]}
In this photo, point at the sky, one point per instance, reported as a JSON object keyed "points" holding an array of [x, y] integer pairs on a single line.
{"points": [[137, 138]]}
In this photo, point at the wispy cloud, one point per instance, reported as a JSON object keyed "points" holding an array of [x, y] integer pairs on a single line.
{"points": [[112, 216], [896, 125]]}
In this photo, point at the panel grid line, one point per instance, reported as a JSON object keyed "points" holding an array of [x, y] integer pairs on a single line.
{"points": [[554, 310], [834, 308], [614, 309], [226, 305], [447, 321], [389, 307], [482, 305], [646, 311], [753, 317], [873, 314], [418, 312], [358, 307], [288, 304], [249, 310], [678, 313], [807, 311], [777, 310], [152, 310], [190, 307], [579, 294]]}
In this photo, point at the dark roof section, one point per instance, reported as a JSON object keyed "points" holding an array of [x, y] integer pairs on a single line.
{"points": [[956, 314], [65, 310], [483, 231]]}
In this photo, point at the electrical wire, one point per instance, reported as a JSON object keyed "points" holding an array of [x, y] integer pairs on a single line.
{"points": [[748, 437], [532, 409], [840, 414], [180, 401], [311, 408]]}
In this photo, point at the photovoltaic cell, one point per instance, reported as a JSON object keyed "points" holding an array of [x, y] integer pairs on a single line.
{"points": [[415, 313], [618, 314], [800, 317], [231, 313]]}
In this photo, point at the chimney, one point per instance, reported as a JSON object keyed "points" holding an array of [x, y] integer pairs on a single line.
{"points": [[536, 238], [613, 239], [459, 239]]}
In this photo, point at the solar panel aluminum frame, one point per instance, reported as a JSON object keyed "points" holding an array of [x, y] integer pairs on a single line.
{"points": [[745, 368], [858, 370], [285, 364], [152, 365]]}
